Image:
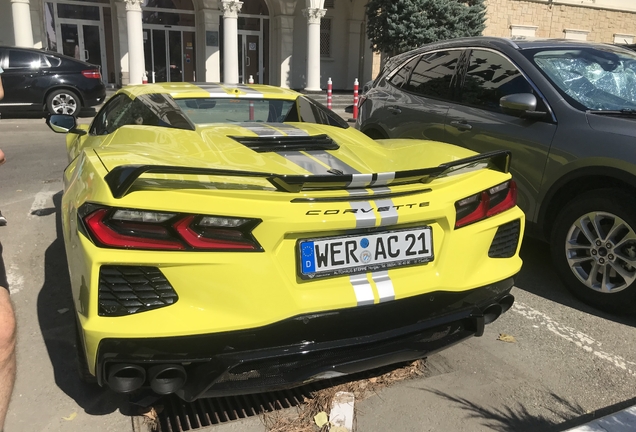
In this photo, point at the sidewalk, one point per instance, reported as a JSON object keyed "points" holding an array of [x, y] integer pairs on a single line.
{"points": [[622, 421]]}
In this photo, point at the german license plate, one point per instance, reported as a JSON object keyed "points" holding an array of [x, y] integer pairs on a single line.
{"points": [[365, 252]]}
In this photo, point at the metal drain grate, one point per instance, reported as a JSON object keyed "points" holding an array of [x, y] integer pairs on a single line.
{"points": [[178, 416]]}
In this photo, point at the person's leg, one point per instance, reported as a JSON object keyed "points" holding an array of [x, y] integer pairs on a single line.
{"points": [[7, 344]]}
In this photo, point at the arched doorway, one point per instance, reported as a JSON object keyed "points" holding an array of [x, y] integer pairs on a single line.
{"points": [[169, 40]]}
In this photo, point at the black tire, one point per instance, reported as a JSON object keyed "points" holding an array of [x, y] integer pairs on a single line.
{"points": [[596, 259], [63, 102]]}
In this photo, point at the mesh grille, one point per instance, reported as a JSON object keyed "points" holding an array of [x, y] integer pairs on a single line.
{"points": [[504, 245], [125, 290]]}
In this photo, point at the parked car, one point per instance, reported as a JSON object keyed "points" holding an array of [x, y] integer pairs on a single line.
{"points": [[36, 80], [567, 112], [235, 239]]}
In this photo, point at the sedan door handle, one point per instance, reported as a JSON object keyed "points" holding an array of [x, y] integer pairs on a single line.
{"points": [[461, 125], [394, 109]]}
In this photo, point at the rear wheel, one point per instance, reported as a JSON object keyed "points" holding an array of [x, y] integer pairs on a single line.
{"points": [[593, 246], [63, 102]]}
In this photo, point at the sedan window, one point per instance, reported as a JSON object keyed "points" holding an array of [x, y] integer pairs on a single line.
{"points": [[434, 75], [402, 75], [24, 59], [489, 77]]}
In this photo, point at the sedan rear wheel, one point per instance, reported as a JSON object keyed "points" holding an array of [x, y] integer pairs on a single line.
{"points": [[594, 249], [63, 102]]}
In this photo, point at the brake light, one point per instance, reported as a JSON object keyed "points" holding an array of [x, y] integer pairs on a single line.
{"points": [[485, 204], [200, 236], [141, 229], [92, 73]]}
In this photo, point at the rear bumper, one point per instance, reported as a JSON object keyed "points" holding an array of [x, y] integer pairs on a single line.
{"points": [[310, 347]]}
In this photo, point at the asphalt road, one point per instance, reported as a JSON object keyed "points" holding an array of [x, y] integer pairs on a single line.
{"points": [[567, 361]]}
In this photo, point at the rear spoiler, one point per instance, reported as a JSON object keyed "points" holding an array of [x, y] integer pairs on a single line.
{"points": [[121, 178]]}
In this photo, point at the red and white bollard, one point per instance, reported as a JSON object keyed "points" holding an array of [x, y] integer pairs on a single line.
{"points": [[355, 99], [329, 92], [250, 80], [144, 78]]}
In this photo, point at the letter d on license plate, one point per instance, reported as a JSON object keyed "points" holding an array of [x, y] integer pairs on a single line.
{"points": [[362, 253]]}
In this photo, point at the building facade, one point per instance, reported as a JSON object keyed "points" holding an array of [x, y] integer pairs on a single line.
{"points": [[289, 43]]}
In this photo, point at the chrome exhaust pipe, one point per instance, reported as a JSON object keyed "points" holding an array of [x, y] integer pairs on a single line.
{"points": [[506, 302], [126, 378], [166, 379], [492, 312]]}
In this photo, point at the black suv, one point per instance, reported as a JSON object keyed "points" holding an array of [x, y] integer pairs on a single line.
{"points": [[566, 110], [36, 80]]}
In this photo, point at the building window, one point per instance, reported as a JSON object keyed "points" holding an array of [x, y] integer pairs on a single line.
{"points": [[330, 4], [621, 38], [518, 31], [325, 37], [576, 34]]}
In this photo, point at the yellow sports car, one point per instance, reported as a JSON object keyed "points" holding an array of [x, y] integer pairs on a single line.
{"points": [[230, 239]]}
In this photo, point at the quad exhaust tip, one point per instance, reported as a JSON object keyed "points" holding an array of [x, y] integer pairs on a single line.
{"points": [[126, 378], [163, 379], [166, 379]]}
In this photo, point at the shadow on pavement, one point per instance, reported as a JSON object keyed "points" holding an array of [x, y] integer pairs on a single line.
{"points": [[539, 277], [85, 112], [510, 418], [567, 414], [57, 323]]}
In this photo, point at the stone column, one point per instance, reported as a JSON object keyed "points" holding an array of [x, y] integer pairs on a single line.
{"points": [[282, 49], [136, 61], [230, 9], [314, 13], [353, 66], [22, 23]]}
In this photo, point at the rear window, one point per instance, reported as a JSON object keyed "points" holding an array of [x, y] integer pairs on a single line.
{"points": [[224, 110], [240, 110]]}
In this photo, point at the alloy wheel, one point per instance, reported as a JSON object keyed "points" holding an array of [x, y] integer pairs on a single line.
{"points": [[64, 103], [600, 250]]}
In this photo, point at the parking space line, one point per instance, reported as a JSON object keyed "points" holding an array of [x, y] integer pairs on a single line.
{"points": [[580, 339], [15, 279], [40, 201]]}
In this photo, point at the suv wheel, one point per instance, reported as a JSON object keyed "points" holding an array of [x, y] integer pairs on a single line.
{"points": [[593, 246], [63, 102]]}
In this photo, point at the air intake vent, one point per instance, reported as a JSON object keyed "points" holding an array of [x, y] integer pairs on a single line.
{"points": [[504, 245], [125, 290], [265, 144]]}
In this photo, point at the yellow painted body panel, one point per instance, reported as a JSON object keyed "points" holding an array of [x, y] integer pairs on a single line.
{"points": [[224, 291]]}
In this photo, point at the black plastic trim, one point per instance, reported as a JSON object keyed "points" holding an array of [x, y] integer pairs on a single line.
{"points": [[344, 340], [121, 178]]}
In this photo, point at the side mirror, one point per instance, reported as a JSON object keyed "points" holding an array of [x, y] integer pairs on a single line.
{"points": [[63, 123], [521, 104]]}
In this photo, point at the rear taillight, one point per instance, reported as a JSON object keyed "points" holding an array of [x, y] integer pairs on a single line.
{"points": [[92, 73], [140, 229], [485, 204]]}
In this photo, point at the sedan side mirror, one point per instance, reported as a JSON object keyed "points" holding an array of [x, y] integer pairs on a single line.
{"points": [[521, 104], [63, 123]]}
